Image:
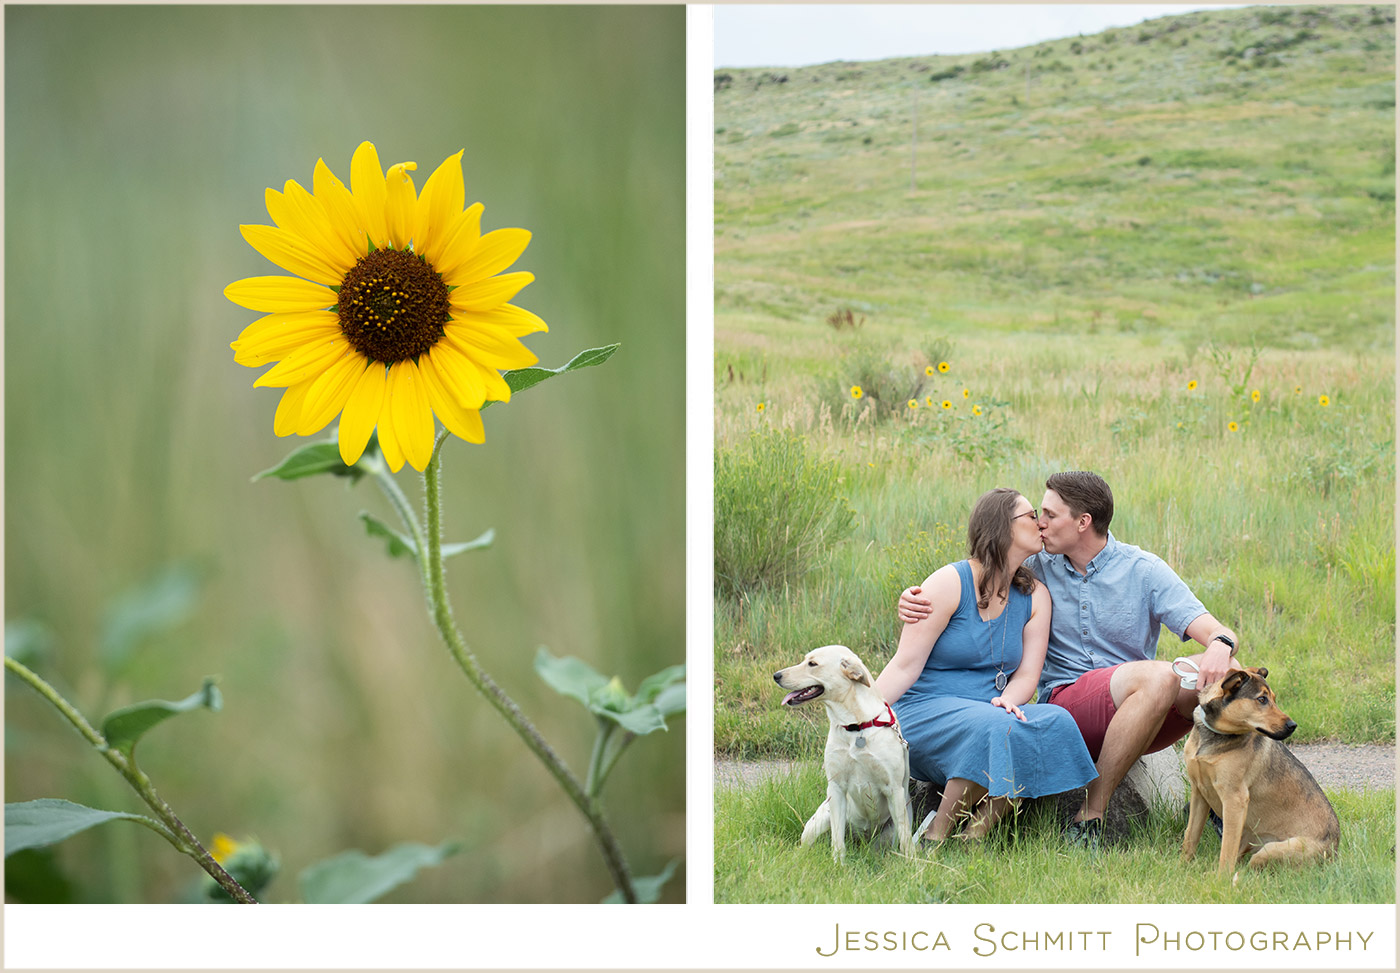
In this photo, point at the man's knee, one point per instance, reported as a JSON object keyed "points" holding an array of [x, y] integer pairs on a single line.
{"points": [[1151, 681]]}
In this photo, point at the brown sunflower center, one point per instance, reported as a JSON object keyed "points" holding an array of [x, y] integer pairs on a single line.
{"points": [[392, 306]]}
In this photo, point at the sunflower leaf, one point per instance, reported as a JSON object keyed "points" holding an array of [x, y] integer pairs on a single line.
{"points": [[47, 821], [311, 460], [354, 877], [461, 547], [123, 727], [399, 545], [569, 676], [648, 887], [520, 379]]}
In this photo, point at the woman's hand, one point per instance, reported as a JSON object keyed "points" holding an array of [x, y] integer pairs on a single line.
{"points": [[1009, 706]]}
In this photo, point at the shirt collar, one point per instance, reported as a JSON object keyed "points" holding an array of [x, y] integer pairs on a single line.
{"points": [[1097, 562]]}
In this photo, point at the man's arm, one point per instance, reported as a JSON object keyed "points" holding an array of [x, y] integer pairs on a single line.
{"points": [[1218, 658]]}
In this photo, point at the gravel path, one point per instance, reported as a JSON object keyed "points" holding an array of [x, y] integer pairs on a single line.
{"points": [[1336, 767]]}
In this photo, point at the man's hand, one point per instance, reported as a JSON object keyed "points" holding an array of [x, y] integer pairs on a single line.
{"points": [[1215, 663], [914, 606]]}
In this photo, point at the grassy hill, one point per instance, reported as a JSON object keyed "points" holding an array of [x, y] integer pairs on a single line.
{"points": [[1164, 252], [1223, 175]]}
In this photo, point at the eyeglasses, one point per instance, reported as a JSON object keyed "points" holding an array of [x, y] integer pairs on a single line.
{"points": [[1031, 513]]}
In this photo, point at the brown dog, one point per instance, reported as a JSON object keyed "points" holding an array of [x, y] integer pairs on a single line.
{"points": [[1238, 768]]}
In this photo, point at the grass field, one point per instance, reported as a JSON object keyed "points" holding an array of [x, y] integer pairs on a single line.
{"points": [[138, 139], [1164, 253]]}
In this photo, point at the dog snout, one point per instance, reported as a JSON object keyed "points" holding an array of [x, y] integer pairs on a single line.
{"points": [[1282, 733], [778, 677], [1288, 729]]}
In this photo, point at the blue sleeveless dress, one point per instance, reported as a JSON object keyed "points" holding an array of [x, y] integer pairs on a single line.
{"points": [[954, 731]]}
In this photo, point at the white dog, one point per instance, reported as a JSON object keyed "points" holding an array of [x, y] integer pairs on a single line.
{"points": [[867, 760]]}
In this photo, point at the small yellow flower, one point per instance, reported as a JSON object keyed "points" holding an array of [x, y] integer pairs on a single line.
{"points": [[1323, 401], [1297, 390], [760, 407], [913, 403], [966, 393], [977, 410], [1234, 426], [943, 367], [856, 392], [222, 848], [1181, 425], [947, 403], [928, 401], [1254, 395], [1191, 385], [928, 369]]}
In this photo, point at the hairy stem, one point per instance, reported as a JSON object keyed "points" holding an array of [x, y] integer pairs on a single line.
{"points": [[431, 566], [185, 840]]}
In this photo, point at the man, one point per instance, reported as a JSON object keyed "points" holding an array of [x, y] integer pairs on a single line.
{"points": [[1108, 603]]}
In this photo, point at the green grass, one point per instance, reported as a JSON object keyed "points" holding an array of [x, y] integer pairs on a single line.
{"points": [[758, 859], [1157, 213]]}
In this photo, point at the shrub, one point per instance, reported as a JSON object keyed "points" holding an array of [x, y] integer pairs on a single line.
{"points": [[778, 507]]}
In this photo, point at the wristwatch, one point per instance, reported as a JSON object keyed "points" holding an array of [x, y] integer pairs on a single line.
{"points": [[1226, 639]]}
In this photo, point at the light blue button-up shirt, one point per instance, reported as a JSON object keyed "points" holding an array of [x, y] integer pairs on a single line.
{"points": [[1110, 614]]}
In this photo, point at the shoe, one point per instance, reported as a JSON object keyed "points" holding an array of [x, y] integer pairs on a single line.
{"points": [[1085, 834], [1215, 821]]}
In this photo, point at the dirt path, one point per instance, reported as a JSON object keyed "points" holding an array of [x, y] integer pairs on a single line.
{"points": [[1336, 766]]}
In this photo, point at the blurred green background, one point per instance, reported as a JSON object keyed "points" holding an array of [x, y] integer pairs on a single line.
{"points": [[137, 139]]}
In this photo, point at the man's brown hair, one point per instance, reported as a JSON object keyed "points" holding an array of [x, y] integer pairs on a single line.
{"points": [[1086, 493]]}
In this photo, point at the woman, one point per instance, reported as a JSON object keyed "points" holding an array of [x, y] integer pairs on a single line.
{"points": [[961, 678]]}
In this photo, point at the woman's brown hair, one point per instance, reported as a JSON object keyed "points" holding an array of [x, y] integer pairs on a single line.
{"points": [[988, 540]]}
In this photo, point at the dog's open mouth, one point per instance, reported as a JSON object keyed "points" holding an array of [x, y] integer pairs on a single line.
{"points": [[799, 696]]}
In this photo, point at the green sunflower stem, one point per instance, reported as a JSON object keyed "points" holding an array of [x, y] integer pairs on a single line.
{"points": [[441, 611], [184, 839]]}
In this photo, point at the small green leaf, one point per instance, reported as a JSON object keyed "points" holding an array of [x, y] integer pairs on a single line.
{"points": [[671, 700], [461, 547], [653, 685], [399, 545], [648, 889], [639, 720], [47, 821], [311, 460], [125, 726], [354, 877], [520, 379], [569, 676], [27, 639], [154, 606]]}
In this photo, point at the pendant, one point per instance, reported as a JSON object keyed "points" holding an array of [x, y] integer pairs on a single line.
{"points": [[1001, 680], [860, 740]]}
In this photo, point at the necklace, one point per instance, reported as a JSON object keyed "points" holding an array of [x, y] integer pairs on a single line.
{"points": [[1000, 661]]}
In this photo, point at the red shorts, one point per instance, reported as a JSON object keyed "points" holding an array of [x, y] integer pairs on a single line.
{"points": [[1090, 702]]}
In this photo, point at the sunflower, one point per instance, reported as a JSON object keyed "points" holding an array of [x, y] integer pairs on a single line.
{"points": [[928, 369], [1323, 401], [403, 312], [856, 392], [1191, 385], [1254, 395], [967, 393], [1234, 426], [760, 407], [913, 403], [947, 403], [977, 410], [943, 366]]}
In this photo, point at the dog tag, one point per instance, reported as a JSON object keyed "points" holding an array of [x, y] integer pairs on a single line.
{"points": [[860, 740]]}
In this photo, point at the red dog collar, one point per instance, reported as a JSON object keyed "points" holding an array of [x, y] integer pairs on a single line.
{"points": [[853, 727]]}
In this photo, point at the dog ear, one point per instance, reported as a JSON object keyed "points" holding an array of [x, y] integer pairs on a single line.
{"points": [[855, 672], [1262, 672], [1232, 681]]}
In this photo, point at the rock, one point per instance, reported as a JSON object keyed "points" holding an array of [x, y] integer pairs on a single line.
{"points": [[1157, 778]]}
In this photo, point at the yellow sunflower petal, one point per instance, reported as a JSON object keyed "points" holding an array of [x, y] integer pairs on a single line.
{"points": [[361, 413], [326, 396], [369, 190], [490, 348], [412, 417], [340, 207], [462, 423], [313, 223], [289, 252], [281, 336], [457, 242], [508, 318], [388, 438], [494, 252], [483, 295], [284, 294], [438, 205], [400, 203], [458, 375], [496, 388], [284, 423], [307, 362]]}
